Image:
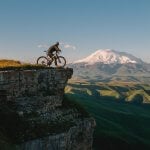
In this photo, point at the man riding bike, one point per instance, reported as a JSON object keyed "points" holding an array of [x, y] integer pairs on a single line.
{"points": [[51, 57]]}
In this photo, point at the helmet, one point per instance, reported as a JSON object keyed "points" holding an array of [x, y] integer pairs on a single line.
{"points": [[57, 43]]}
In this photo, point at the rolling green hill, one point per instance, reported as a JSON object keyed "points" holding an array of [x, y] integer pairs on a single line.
{"points": [[121, 111], [119, 91]]}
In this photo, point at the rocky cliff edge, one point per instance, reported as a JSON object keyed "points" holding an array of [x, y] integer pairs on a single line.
{"points": [[35, 115]]}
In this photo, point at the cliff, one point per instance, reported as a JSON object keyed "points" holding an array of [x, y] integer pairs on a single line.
{"points": [[35, 115]]}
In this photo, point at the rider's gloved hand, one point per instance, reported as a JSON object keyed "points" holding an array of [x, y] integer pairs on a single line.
{"points": [[58, 51]]}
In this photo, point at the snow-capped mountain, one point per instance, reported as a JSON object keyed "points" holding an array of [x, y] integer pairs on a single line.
{"points": [[110, 65], [108, 56]]}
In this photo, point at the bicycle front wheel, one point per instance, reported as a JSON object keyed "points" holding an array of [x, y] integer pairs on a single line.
{"points": [[61, 61], [42, 61]]}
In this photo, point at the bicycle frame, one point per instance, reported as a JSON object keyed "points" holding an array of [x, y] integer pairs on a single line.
{"points": [[54, 58]]}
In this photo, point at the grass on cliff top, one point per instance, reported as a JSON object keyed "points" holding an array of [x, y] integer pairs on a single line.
{"points": [[15, 64], [5, 62]]}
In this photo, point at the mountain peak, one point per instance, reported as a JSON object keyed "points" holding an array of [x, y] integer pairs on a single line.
{"points": [[109, 56]]}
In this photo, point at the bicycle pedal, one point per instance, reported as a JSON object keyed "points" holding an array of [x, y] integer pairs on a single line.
{"points": [[49, 63]]}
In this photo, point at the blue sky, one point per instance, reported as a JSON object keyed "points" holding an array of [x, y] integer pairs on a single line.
{"points": [[28, 27]]}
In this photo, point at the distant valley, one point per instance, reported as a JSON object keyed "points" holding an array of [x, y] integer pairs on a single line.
{"points": [[115, 88], [121, 111]]}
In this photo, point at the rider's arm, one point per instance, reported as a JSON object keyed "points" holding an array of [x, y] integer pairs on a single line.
{"points": [[57, 48]]}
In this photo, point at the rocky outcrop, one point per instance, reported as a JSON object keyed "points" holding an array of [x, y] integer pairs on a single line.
{"points": [[32, 102], [79, 137]]}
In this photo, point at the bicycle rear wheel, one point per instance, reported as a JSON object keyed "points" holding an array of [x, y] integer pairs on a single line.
{"points": [[61, 61], [42, 60]]}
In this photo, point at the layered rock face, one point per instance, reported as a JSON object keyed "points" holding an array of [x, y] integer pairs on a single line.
{"points": [[33, 102], [47, 84]]}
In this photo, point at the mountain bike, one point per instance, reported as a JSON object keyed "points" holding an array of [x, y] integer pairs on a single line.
{"points": [[59, 61]]}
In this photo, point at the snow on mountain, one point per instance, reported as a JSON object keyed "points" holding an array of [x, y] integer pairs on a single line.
{"points": [[108, 56]]}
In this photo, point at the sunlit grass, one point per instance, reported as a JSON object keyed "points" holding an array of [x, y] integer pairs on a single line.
{"points": [[131, 94], [15, 64], [111, 93], [68, 89], [124, 91], [7, 63]]}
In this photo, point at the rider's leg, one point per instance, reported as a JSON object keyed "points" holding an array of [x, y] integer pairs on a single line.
{"points": [[51, 58], [55, 62]]}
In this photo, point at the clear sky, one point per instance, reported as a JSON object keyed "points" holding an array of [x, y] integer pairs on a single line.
{"points": [[28, 27]]}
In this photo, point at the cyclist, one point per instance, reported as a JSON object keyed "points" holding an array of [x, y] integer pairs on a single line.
{"points": [[52, 49], [51, 57]]}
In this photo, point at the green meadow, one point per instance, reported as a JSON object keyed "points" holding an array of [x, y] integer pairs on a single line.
{"points": [[121, 111]]}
